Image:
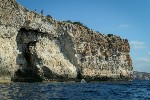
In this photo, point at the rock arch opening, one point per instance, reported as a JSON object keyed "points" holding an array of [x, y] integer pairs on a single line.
{"points": [[26, 42]]}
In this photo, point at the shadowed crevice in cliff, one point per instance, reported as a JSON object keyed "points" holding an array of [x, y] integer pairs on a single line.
{"points": [[27, 71], [51, 76]]}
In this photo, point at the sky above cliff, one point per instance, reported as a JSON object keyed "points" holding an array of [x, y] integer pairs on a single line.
{"points": [[129, 19]]}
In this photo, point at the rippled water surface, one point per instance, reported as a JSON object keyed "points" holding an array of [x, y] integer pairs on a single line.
{"points": [[136, 90]]}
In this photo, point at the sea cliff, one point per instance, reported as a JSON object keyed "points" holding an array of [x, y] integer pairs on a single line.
{"points": [[34, 47]]}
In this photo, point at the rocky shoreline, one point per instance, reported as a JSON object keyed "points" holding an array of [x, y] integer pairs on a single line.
{"points": [[141, 75], [39, 48]]}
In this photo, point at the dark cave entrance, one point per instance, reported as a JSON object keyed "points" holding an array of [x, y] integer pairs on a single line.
{"points": [[26, 42]]}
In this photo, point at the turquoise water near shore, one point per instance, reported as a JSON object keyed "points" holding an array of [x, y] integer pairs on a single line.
{"points": [[135, 90]]}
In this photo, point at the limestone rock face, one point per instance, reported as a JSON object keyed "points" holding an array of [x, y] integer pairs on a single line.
{"points": [[38, 48]]}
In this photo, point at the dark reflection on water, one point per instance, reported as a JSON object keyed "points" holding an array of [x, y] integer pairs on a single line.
{"points": [[76, 91]]}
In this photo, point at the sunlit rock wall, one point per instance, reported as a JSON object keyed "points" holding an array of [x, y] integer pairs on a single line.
{"points": [[38, 48]]}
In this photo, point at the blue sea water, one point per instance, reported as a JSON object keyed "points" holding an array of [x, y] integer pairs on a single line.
{"points": [[135, 90]]}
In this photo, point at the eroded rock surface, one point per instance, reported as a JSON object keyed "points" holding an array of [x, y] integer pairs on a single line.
{"points": [[38, 48]]}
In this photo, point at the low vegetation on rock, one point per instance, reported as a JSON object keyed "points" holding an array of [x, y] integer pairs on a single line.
{"points": [[38, 48]]}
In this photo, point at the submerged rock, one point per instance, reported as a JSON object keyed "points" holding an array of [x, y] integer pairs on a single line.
{"points": [[38, 48], [83, 81]]}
